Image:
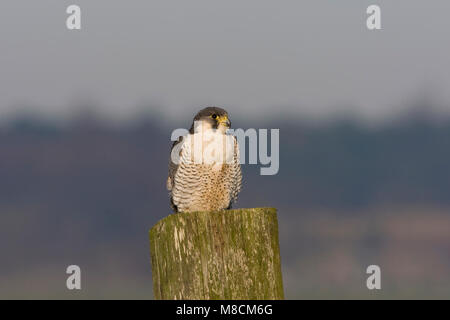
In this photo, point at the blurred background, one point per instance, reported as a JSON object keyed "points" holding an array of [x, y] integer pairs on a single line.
{"points": [[364, 119]]}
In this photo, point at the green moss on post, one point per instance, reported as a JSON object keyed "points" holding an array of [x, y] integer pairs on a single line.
{"points": [[232, 254]]}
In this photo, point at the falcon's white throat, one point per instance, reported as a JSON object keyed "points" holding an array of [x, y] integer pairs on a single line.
{"points": [[210, 147], [206, 146], [206, 126]]}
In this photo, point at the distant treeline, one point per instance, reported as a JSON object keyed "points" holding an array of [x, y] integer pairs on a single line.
{"points": [[339, 164]]}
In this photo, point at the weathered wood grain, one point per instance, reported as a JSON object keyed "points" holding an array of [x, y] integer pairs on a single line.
{"points": [[231, 254]]}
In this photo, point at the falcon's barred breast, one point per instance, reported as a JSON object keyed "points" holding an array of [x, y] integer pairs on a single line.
{"points": [[204, 169]]}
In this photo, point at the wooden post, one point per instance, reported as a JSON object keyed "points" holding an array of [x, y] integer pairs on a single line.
{"points": [[231, 254]]}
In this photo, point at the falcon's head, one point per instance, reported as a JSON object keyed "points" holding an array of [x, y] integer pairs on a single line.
{"points": [[211, 118]]}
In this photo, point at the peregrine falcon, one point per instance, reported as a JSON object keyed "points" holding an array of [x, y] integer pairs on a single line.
{"points": [[204, 168]]}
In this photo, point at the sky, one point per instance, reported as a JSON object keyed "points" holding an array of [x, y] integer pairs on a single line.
{"points": [[256, 58]]}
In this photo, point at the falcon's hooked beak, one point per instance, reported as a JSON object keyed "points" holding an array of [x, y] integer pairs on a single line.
{"points": [[223, 120]]}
